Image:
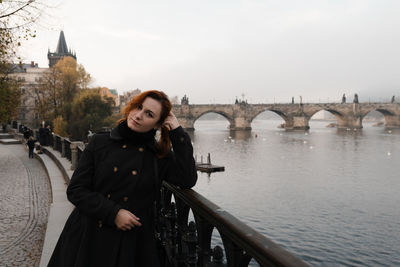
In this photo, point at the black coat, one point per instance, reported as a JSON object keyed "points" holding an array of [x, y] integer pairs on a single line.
{"points": [[116, 172]]}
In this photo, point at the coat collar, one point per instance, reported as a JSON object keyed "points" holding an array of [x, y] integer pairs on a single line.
{"points": [[115, 134]]}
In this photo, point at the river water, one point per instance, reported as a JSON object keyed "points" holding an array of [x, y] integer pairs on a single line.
{"points": [[330, 197]]}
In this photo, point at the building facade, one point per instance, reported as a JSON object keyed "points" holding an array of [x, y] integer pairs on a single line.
{"points": [[29, 76]]}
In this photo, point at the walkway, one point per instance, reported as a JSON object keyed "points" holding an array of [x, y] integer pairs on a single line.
{"points": [[25, 197]]}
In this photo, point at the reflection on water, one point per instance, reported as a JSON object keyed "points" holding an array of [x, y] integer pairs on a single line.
{"points": [[329, 196]]}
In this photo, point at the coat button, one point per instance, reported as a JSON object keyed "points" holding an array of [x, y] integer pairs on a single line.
{"points": [[108, 196], [115, 169], [124, 146], [182, 139], [125, 199], [134, 172], [141, 149], [100, 224]]}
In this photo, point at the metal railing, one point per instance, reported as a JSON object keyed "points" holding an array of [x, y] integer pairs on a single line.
{"points": [[58, 144], [189, 244], [67, 148]]}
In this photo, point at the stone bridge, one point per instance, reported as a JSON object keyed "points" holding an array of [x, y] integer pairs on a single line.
{"points": [[296, 116]]}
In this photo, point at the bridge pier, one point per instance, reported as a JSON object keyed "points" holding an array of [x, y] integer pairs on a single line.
{"points": [[350, 121], [350, 117], [240, 123], [392, 121], [186, 123], [297, 123]]}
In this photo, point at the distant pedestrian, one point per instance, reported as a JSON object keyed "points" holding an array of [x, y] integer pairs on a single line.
{"points": [[27, 133], [48, 135], [42, 135], [31, 146]]}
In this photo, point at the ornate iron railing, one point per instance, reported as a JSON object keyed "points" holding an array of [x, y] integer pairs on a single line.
{"points": [[190, 244]]}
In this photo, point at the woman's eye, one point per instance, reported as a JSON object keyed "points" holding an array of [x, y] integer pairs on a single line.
{"points": [[149, 114], [140, 107]]}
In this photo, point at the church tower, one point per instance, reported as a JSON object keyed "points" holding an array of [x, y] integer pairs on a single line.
{"points": [[61, 52]]}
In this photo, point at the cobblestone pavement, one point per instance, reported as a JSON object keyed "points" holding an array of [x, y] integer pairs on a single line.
{"points": [[24, 205]]}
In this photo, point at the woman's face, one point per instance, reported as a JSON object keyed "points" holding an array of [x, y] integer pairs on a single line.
{"points": [[145, 116]]}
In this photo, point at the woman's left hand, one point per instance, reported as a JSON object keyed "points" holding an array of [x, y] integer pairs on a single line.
{"points": [[171, 122]]}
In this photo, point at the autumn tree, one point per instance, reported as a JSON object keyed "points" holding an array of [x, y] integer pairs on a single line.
{"points": [[16, 20], [58, 88], [89, 111], [10, 96]]}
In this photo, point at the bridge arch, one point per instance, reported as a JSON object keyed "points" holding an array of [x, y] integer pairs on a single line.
{"points": [[338, 115], [388, 115], [223, 114], [278, 112], [343, 120]]}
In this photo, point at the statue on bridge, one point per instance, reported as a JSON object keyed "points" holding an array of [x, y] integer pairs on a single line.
{"points": [[185, 100], [355, 99], [240, 102], [393, 100], [343, 99]]}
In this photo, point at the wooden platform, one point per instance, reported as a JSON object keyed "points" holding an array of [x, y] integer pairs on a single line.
{"points": [[205, 167]]}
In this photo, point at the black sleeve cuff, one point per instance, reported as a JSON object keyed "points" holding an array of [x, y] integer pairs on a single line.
{"points": [[110, 220], [177, 135]]}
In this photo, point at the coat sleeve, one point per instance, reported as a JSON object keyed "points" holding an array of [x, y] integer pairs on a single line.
{"points": [[80, 191], [179, 167]]}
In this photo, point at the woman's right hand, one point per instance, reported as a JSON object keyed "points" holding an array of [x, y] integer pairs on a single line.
{"points": [[125, 220]]}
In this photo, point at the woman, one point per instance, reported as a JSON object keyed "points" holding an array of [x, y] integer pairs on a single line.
{"points": [[116, 183]]}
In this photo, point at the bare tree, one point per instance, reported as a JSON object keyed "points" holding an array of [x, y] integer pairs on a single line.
{"points": [[16, 20]]}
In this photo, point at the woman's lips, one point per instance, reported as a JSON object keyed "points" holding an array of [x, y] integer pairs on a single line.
{"points": [[135, 122]]}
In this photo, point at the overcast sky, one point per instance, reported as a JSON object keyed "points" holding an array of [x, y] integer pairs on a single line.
{"points": [[215, 50]]}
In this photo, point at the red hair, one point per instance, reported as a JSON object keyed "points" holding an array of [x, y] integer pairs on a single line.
{"points": [[164, 144]]}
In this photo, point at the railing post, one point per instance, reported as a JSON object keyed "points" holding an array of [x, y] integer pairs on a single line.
{"points": [[62, 147], [217, 258], [54, 141], [74, 154]]}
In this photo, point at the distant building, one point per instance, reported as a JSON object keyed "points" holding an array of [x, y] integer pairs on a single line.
{"points": [[127, 96], [61, 51], [112, 93], [29, 76]]}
